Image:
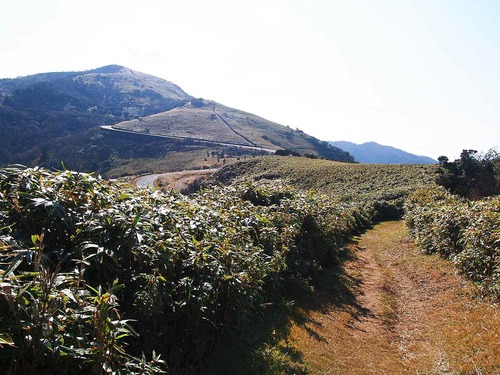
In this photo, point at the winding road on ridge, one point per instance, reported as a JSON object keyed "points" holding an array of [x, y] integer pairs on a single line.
{"points": [[111, 128]]}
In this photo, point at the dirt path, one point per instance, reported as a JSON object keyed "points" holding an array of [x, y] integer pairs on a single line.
{"points": [[173, 180], [403, 312]]}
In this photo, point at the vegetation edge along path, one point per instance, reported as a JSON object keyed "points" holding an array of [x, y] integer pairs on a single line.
{"points": [[405, 313]]}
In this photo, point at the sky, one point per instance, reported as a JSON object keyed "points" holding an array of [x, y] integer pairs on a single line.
{"points": [[420, 75]]}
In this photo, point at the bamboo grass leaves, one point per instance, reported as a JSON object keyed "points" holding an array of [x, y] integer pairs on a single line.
{"points": [[467, 232], [99, 277]]}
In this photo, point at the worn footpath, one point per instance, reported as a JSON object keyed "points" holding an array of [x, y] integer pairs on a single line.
{"points": [[403, 312]]}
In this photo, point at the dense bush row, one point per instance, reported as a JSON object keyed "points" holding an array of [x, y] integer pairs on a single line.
{"points": [[98, 278], [467, 232]]}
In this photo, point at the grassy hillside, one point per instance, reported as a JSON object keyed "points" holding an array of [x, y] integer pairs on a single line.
{"points": [[209, 121], [202, 123], [344, 180], [384, 188]]}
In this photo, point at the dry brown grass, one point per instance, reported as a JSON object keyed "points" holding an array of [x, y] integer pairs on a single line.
{"points": [[217, 123], [409, 314], [214, 122], [191, 158], [185, 122], [389, 303], [453, 331]]}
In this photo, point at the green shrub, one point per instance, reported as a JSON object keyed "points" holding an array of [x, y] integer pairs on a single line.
{"points": [[472, 176], [480, 259], [467, 232], [99, 277]]}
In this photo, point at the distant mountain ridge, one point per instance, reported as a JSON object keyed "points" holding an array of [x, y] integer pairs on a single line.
{"points": [[372, 152], [47, 118]]}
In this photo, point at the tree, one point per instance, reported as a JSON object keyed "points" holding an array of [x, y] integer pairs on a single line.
{"points": [[471, 176]]}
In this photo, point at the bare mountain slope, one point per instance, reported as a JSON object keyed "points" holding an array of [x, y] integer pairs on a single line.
{"points": [[210, 121], [193, 121]]}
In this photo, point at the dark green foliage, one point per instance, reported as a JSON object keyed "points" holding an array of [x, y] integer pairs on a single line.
{"points": [[311, 156], [470, 176], [98, 277], [328, 151], [198, 103], [286, 152]]}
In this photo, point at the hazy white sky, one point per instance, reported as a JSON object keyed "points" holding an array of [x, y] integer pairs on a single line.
{"points": [[421, 75]]}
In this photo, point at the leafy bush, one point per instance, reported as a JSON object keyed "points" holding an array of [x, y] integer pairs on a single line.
{"points": [[381, 189], [471, 176], [97, 277], [480, 259], [467, 232]]}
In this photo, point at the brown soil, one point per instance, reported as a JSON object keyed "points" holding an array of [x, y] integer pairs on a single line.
{"points": [[183, 181], [403, 313]]}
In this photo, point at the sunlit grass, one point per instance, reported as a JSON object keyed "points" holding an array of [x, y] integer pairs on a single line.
{"points": [[429, 318]]}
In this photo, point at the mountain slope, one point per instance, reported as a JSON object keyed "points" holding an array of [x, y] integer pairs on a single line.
{"points": [[52, 117], [48, 118], [110, 90], [372, 152], [212, 122]]}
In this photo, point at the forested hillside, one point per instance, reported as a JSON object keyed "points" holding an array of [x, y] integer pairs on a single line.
{"points": [[48, 118], [52, 118]]}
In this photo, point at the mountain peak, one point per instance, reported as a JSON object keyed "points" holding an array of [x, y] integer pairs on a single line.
{"points": [[45, 117], [108, 69]]}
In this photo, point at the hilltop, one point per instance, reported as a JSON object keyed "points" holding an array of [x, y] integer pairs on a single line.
{"points": [[52, 117], [112, 90], [372, 152], [47, 118]]}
